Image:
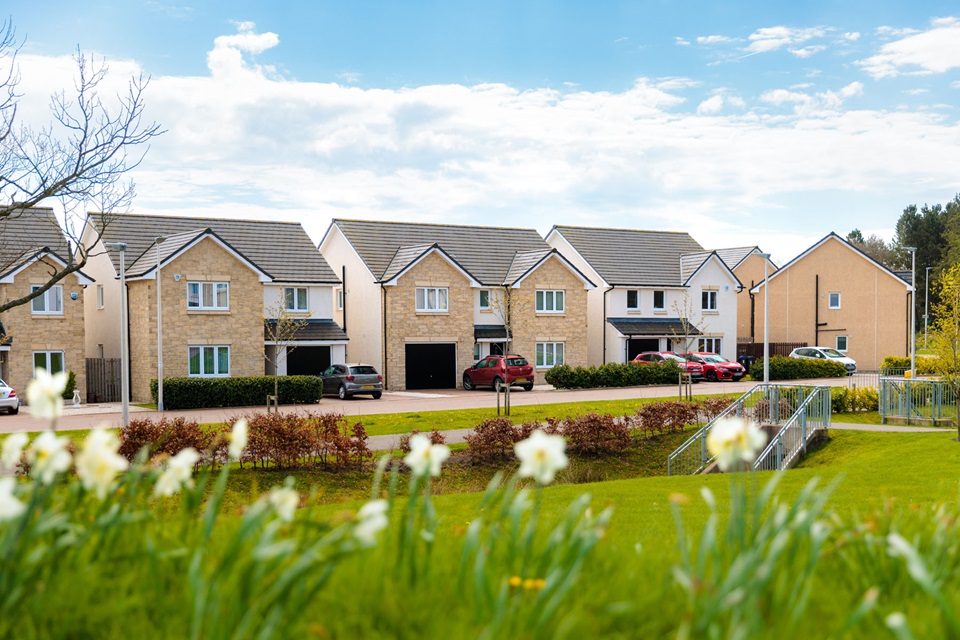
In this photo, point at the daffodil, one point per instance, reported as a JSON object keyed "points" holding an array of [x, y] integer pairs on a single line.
{"points": [[733, 440], [425, 457], [10, 507], [177, 473], [285, 501], [48, 456], [12, 449], [45, 394], [238, 439], [541, 456], [98, 462], [371, 520]]}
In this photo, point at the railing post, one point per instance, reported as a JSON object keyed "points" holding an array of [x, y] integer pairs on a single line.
{"points": [[909, 391], [779, 454]]}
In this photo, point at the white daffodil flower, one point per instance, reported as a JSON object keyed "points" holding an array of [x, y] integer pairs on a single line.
{"points": [[48, 456], [98, 462], [285, 501], [177, 473], [371, 520], [425, 457], [733, 440], [10, 507], [12, 449], [238, 439], [541, 456], [45, 394]]}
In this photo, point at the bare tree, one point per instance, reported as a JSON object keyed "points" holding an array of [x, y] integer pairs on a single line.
{"points": [[81, 158], [280, 328], [508, 308], [689, 332]]}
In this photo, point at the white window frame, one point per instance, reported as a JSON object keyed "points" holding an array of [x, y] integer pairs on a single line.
{"points": [[636, 306], [714, 343], [215, 287], [216, 373], [550, 300], [301, 303], [830, 300], [47, 299], [99, 296], [547, 354], [432, 300], [709, 300], [484, 307], [663, 301], [339, 299], [846, 343], [47, 354]]}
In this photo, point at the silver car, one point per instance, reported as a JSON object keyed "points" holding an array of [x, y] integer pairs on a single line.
{"points": [[826, 353], [8, 398], [347, 380]]}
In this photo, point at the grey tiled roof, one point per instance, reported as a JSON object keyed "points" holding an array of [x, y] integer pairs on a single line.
{"points": [[651, 326], [632, 257], [170, 246], [314, 329], [523, 261], [281, 249], [733, 256], [690, 262], [403, 257], [25, 233], [485, 252]]}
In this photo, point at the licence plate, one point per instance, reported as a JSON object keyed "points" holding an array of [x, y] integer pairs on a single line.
{"points": [[521, 380], [367, 386]]}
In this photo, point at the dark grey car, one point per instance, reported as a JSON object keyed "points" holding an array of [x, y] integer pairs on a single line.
{"points": [[347, 380]]}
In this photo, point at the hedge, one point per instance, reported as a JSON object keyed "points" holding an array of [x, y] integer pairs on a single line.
{"points": [[784, 368], [926, 365], [612, 375], [203, 393]]}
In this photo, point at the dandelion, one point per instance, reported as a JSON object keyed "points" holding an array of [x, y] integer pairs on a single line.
{"points": [[10, 507], [425, 457], [13, 449], [238, 439], [45, 394], [515, 581], [177, 474], [371, 520], [541, 456], [733, 440], [285, 501], [48, 456], [98, 463]]}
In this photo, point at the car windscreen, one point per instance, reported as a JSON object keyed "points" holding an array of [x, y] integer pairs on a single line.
{"points": [[3, 384], [833, 353], [365, 370], [516, 362], [673, 356], [715, 358]]}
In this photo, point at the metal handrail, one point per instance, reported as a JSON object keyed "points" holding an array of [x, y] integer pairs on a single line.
{"points": [[813, 414]]}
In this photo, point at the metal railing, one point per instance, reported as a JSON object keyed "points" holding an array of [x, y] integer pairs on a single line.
{"points": [[812, 414], [773, 404], [920, 400]]}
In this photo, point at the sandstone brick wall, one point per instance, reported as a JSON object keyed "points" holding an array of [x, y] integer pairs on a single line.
{"points": [[33, 332], [240, 328]]}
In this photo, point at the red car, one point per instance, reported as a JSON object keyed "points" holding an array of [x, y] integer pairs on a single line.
{"points": [[494, 371], [716, 367], [659, 357]]}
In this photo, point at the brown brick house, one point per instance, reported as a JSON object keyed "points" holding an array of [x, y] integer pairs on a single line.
{"points": [[47, 332], [422, 302]]}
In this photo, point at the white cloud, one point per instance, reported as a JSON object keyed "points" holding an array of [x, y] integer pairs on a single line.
{"points": [[683, 42], [887, 31], [853, 36], [916, 92], [349, 77], [774, 38], [713, 39], [806, 52], [710, 106], [929, 52]]}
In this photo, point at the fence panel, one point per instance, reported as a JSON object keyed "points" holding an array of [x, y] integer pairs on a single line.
{"points": [[755, 349], [103, 380]]}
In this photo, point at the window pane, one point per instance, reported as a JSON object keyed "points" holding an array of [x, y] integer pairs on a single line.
{"points": [[223, 361], [56, 361], [540, 300], [559, 301], [38, 303], [302, 299], [288, 301], [222, 292], [55, 299], [633, 299], [208, 360], [421, 295], [431, 299], [559, 354], [548, 354], [484, 299], [194, 361], [40, 360], [193, 294], [539, 354], [442, 299], [658, 301]]}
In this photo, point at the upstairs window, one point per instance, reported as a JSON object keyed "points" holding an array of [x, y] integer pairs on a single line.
{"points": [[841, 343], [50, 302], [633, 300], [99, 296], [484, 299], [295, 298], [432, 299], [709, 300], [208, 296], [659, 301], [549, 301], [339, 299], [834, 300]]}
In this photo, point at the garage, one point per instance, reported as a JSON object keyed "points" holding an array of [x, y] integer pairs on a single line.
{"points": [[431, 366], [639, 345], [308, 361]]}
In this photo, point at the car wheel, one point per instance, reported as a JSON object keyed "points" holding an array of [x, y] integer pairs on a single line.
{"points": [[468, 383], [528, 387], [497, 384], [376, 395], [14, 411], [711, 376], [342, 392]]}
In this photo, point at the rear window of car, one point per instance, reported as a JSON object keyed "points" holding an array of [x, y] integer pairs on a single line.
{"points": [[3, 384], [714, 358], [365, 370], [516, 362], [673, 356], [831, 353]]}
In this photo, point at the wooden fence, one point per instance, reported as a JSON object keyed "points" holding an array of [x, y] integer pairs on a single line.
{"points": [[755, 349], [103, 380]]}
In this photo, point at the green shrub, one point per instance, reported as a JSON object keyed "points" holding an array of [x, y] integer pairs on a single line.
{"points": [[926, 365], [201, 393], [853, 399], [612, 374], [71, 386], [784, 368]]}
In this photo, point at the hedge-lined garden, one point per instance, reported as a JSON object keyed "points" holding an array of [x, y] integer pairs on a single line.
{"points": [[204, 393], [784, 368], [612, 374]]}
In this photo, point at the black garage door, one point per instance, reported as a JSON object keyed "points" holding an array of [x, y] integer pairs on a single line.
{"points": [[308, 361], [639, 345], [431, 366]]}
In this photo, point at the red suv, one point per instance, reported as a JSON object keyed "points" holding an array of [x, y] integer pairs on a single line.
{"points": [[716, 367], [659, 357], [493, 371]]}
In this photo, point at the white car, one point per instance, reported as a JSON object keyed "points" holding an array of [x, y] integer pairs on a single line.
{"points": [[826, 353], [8, 398]]}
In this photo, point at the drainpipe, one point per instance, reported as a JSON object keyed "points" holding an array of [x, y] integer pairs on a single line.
{"points": [[343, 294], [383, 337], [603, 323], [753, 312]]}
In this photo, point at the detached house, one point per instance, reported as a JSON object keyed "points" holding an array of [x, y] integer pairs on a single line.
{"points": [[223, 284], [750, 267], [657, 291], [834, 295], [422, 302], [48, 331]]}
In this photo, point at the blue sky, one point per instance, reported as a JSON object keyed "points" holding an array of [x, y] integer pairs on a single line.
{"points": [[741, 122]]}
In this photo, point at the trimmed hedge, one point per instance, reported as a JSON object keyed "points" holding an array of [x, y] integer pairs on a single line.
{"points": [[784, 368], [204, 393], [612, 375], [926, 365]]}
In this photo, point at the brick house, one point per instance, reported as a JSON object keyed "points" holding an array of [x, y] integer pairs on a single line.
{"points": [[221, 283], [834, 295], [657, 291], [47, 332], [422, 302]]}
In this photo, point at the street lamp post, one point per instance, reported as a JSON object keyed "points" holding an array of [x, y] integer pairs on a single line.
{"points": [[766, 318], [159, 332], [124, 338], [913, 311], [926, 305]]}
